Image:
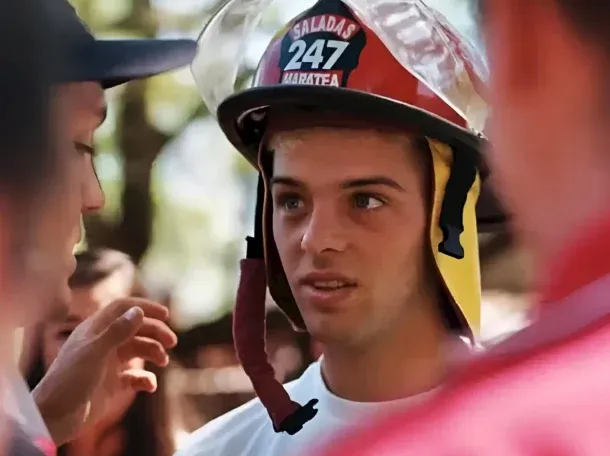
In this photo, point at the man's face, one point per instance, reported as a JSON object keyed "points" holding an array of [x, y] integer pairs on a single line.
{"points": [[77, 192], [350, 224]]}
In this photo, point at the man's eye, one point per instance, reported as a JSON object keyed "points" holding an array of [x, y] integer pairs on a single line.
{"points": [[365, 201], [290, 202], [293, 203]]}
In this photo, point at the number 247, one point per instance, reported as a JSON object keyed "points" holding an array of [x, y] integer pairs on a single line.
{"points": [[314, 54]]}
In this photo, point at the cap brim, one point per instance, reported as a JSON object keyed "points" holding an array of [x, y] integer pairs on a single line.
{"points": [[383, 111], [114, 62]]}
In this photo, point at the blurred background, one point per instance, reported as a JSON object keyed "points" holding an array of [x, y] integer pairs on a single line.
{"points": [[180, 201]]}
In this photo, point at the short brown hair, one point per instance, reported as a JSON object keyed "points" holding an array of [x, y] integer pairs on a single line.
{"points": [[416, 144]]}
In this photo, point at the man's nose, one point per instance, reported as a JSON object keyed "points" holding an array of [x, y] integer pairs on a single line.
{"points": [[324, 232], [93, 196]]}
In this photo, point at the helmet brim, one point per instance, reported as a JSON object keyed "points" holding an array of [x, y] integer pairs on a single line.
{"points": [[362, 106]]}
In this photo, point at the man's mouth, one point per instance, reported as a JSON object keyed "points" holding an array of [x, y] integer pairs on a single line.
{"points": [[330, 285], [327, 283]]}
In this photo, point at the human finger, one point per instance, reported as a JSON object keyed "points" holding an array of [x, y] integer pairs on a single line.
{"points": [[115, 309], [118, 332], [145, 348], [139, 380], [158, 330]]}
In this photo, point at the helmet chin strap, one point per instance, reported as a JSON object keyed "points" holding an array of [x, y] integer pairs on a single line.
{"points": [[249, 334]]}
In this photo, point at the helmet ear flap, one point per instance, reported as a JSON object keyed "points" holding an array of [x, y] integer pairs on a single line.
{"points": [[279, 288], [454, 234]]}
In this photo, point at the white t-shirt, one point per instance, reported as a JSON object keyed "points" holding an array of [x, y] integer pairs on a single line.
{"points": [[18, 404], [30, 435], [248, 431]]}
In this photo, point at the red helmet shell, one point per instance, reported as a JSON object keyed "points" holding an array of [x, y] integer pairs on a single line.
{"points": [[328, 46]]}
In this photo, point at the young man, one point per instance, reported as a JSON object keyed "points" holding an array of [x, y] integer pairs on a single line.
{"points": [[366, 229], [544, 390], [89, 67]]}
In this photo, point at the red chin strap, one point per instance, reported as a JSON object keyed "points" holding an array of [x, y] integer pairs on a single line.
{"points": [[249, 336]]}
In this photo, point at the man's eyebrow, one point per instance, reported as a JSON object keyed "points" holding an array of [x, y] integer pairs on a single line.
{"points": [[285, 180], [373, 180]]}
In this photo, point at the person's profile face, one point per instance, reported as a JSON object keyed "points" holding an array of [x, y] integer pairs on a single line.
{"points": [[350, 225], [76, 192]]}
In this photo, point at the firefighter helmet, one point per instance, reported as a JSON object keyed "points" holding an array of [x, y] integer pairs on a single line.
{"points": [[398, 64]]}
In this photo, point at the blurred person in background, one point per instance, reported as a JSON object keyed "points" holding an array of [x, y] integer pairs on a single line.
{"points": [[134, 423], [545, 389], [71, 395], [366, 226]]}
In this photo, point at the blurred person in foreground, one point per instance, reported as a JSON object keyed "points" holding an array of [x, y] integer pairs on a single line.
{"points": [[366, 225], [72, 396], [545, 389], [135, 423], [29, 54]]}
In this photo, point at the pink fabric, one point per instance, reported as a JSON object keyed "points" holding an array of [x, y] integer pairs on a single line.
{"points": [[46, 445], [586, 260]]}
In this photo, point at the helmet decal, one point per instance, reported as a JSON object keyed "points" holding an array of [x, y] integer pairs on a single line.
{"points": [[322, 47]]}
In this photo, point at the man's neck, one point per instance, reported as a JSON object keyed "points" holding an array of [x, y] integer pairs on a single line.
{"points": [[404, 361]]}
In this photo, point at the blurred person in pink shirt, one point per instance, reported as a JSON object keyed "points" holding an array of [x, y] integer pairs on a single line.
{"points": [[545, 389], [29, 54]]}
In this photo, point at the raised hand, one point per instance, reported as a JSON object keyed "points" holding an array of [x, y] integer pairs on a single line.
{"points": [[95, 366]]}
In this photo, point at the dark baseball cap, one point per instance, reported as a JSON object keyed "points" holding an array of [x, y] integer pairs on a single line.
{"points": [[112, 62]]}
